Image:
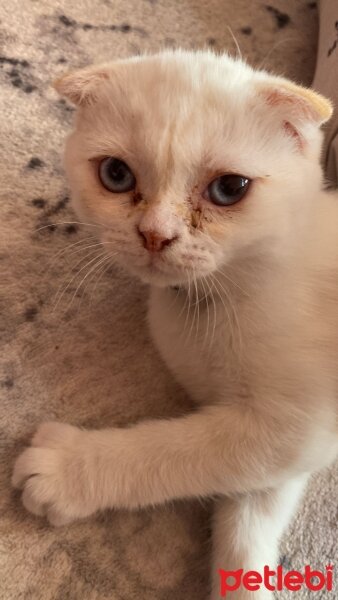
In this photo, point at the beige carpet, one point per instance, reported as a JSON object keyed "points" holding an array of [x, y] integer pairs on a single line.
{"points": [[89, 361]]}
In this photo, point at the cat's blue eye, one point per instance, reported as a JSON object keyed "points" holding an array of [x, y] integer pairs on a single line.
{"points": [[116, 176], [228, 189]]}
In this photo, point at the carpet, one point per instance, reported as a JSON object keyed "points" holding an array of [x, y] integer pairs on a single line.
{"points": [[81, 353]]}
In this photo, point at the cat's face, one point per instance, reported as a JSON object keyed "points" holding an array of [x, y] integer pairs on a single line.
{"points": [[190, 160]]}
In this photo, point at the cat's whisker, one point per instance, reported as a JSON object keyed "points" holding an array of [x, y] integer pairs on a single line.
{"points": [[101, 271], [178, 293], [71, 223], [195, 304], [88, 281], [276, 45], [237, 338], [188, 303], [64, 251], [60, 296], [51, 261], [191, 320], [226, 276], [234, 311], [214, 319], [198, 310], [187, 295], [211, 296], [206, 294], [239, 53], [68, 247], [87, 248], [172, 304], [98, 272], [88, 255], [73, 266], [235, 320], [226, 308], [91, 270]]}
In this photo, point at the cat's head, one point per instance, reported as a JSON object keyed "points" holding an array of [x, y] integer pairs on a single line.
{"points": [[189, 160]]}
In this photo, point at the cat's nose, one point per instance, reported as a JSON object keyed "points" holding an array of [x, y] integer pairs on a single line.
{"points": [[154, 241]]}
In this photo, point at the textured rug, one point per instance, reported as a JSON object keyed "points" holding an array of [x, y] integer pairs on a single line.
{"points": [[81, 353]]}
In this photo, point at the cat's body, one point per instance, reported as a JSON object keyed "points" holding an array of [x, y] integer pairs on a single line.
{"points": [[243, 299], [269, 320]]}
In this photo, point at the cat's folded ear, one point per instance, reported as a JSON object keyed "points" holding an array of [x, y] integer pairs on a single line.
{"points": [[295, 103], [300, 110], [82, 87]]}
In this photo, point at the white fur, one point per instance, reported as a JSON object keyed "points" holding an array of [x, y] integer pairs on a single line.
{"points": [[251, 331]]}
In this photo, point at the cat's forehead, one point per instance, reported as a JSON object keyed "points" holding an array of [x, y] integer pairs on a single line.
{"points": [[191, 100], [171, 109], [176, 82]]}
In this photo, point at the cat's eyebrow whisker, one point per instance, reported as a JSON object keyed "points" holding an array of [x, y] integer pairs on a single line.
{"points": [[276, 45], [236, 42]]}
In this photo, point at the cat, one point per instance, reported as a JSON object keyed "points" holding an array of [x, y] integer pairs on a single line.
{"points": [[204, 176]]}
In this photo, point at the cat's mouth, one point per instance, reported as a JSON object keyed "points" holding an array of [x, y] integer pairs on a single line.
{"points": [[158, 270], [162, 268]]}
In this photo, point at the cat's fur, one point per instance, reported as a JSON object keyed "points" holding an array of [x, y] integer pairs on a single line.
{"points": [[243, 305]]}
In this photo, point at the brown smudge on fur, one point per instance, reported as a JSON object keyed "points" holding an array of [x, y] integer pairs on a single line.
{"points": [[137, 198], [182, 211], [216, 229], [196, 218]]}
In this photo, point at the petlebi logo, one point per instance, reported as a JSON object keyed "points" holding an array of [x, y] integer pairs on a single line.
{"points": [[277, 580]]}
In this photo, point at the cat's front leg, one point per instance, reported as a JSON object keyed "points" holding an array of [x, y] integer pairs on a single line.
{"points": [[70, 473], [57, 474], [246, 533]]}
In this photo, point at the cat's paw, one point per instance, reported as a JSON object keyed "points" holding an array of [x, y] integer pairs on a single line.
{"points": [[55, 474]]}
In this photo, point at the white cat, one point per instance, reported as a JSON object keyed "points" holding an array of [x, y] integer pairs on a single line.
{"points": [[205, 177]]}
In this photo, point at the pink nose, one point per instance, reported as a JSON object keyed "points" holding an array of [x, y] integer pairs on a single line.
{"points": [[153, 241]]}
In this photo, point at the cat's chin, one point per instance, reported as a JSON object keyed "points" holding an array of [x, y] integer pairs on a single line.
{"points": [[152, 275]]}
